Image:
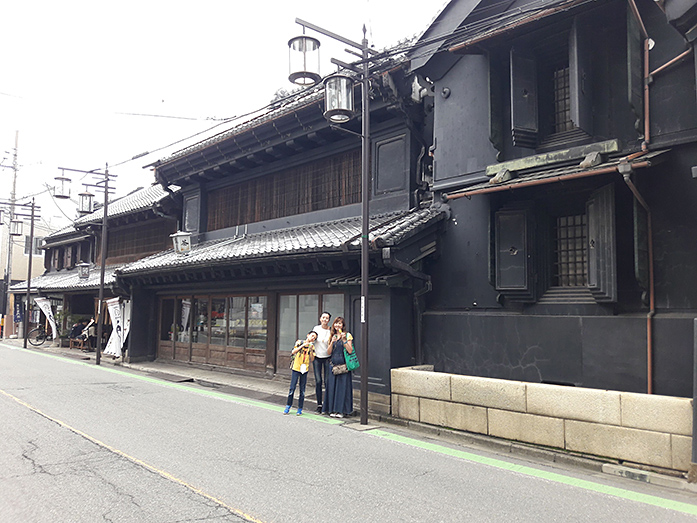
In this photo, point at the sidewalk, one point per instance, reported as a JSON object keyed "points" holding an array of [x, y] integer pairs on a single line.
{"points": [[275, 390]]}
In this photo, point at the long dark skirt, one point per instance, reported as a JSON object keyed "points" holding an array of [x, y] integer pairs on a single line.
{"points": [[339, 386]]}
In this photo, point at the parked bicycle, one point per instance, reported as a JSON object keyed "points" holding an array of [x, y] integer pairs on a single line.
{"points": [[38, 336]]}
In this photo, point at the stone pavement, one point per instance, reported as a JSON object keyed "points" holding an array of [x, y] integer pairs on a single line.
{"points": [[275, 390]]}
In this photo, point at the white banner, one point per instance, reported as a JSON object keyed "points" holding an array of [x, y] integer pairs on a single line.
{"points": [[45, 306], [113, 346], [126, 315]]}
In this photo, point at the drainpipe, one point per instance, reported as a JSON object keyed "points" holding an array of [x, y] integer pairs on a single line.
{"points": [[626, 170], [692, 469], [647, 76]]}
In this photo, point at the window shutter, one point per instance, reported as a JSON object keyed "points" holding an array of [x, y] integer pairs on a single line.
{"points": [[580, 76], [635, 87], [524, 125], [513, 242], [602, 266], [26, 245]]}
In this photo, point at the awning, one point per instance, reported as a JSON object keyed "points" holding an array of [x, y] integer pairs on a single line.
{"points": [[541, 176]]}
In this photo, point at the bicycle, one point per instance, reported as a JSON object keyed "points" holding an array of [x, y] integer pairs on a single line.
{"points": [[38, 336]]}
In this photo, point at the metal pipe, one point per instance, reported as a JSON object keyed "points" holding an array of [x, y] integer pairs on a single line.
{"points": [[647, 127], [652, 308], [675, 60], [543, 181], [365, 217], [31, 253], [103, 265]]}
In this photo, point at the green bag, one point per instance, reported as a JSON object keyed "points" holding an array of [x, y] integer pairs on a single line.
{"points": [[351, 359]]}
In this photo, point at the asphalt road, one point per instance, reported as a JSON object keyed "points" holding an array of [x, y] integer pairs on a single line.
{"points": [[85, 443]]}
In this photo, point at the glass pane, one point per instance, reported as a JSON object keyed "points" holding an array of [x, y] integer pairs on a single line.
{"points": [[308, 313], [287, 322], [183, 320], [200, 333], [236, 309], [218, 321], [167, 320], [333, 304], [191, 215], [256, 335]]}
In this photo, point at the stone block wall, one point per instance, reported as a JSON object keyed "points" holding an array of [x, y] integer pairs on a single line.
{"points": [[647, 429]]}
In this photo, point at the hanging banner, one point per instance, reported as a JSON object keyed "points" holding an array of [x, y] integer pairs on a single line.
{"points": [[45, 306], [126, 315], [113, 346], [19, 312], [186, 312]]}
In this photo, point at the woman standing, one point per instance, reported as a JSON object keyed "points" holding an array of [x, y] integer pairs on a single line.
{"points": [[321, 363], [339, 401]]}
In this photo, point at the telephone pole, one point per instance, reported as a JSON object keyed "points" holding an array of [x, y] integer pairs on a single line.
{"points": [[8, 269]]}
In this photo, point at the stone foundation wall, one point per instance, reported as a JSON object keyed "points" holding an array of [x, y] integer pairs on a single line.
{"points": [[640, 428]]}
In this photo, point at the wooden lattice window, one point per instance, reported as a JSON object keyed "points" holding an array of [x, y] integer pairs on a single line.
{"points": [[571, 259], [322, 184], [139, 240]]}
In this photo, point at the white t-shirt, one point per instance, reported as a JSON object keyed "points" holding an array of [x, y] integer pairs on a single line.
{"points": [[322, 342]]}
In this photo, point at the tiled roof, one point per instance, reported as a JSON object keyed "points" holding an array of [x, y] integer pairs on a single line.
{"points": [[328, 237], [68, 280], [288, 105], [139, 200]]}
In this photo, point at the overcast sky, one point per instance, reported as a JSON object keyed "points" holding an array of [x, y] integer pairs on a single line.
{"points": [[77, 77]]}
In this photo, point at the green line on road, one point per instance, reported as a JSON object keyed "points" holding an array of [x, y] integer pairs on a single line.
{"points": [[542, 474]]}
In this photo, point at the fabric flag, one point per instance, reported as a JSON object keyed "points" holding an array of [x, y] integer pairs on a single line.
{"points": [[113, 346], [45, 306], [126, 315]]}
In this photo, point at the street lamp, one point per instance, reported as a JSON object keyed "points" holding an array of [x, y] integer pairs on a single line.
{"points": [[181, 241], [83, 270], [101, 184], [339, 109], [62, 187], [85, 202], [303, 60]]}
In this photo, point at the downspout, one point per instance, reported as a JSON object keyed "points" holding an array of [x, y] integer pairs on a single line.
{"points": [[626, 170]]}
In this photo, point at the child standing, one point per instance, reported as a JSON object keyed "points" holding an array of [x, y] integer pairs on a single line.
{"points": [[304, 351]]}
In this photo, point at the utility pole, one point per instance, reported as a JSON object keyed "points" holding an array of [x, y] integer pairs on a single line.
{"points": [[8, 270]]}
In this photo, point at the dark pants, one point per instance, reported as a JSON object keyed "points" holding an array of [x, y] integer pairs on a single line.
{"points": [[293, 382], [321, 366]]}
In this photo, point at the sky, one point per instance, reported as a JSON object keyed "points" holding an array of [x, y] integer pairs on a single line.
{"points": [[89, 83]]}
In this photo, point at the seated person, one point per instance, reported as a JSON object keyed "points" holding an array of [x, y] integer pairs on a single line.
{"points": [[77, 329]]}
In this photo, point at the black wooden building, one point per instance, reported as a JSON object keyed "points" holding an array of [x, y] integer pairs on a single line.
{"points": [[565, 144]]}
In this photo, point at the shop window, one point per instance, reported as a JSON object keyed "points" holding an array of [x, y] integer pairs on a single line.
{"points": [[298, 313], [167, 325], [238, 320], [200, 333], [256, 322], [218, 321]]}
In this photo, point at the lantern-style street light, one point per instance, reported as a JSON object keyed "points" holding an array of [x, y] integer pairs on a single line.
{"points": [[101, 184], [339, 108], [303, 60], [62, 187], [16, 227], [83, 270], [85, 202], [181, 241]]}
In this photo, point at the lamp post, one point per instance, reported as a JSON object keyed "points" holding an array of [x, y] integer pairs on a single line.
{"points": [[101, 184], [339, 109], [26, 210]]}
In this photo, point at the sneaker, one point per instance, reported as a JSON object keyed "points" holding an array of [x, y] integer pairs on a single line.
{"points": [[339, 415], [333, 415], [286, 410], [299, 413], [319, 409]]}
